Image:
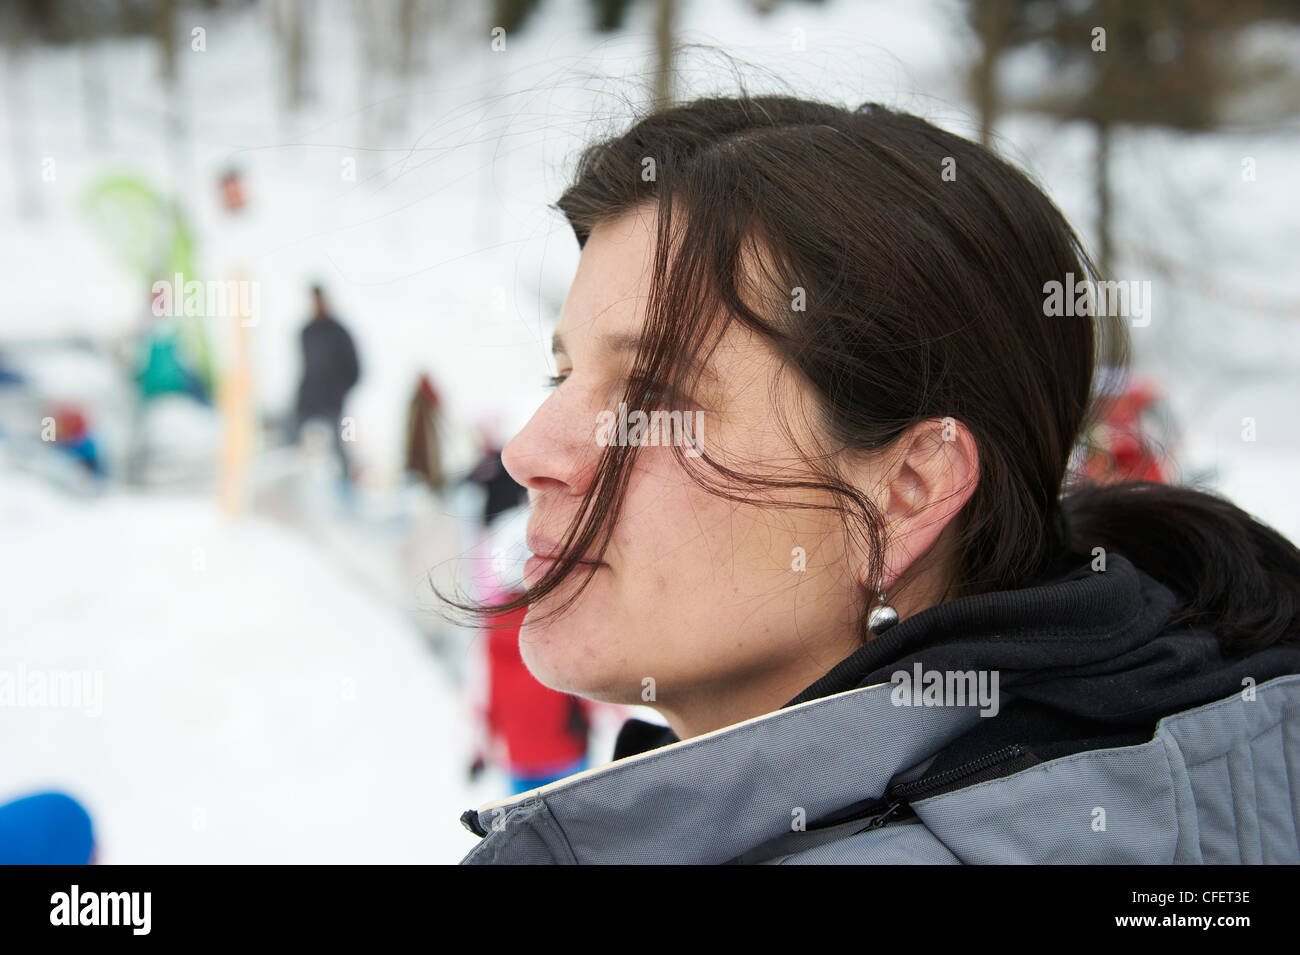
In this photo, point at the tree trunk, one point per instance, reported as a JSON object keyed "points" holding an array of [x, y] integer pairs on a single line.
{"points": [[26, 180], [1102, 174], [663, 93], [165, 26], [992, 25], [295, 53], [1113, 350]]}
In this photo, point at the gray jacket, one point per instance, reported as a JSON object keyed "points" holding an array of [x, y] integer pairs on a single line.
{"points": [[1094, 754]]}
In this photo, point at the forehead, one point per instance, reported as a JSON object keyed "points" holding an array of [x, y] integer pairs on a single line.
{"points": [[612, 284], [604, 311]]}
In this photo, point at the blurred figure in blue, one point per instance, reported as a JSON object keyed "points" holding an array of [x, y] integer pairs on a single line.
{"points": [[74, 436]]}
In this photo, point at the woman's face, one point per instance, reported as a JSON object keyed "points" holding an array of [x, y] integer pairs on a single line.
{"points": [[710, 610]]}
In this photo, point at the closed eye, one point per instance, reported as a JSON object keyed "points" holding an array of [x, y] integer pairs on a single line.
{"points": [[657, 393]]}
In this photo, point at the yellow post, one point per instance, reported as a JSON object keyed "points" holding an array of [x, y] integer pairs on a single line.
{"points": [[236, 404]]}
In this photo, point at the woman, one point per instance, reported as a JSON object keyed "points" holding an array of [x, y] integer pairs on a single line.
{"points": [[879, 622]]}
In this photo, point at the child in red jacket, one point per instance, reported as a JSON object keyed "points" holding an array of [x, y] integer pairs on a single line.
{"points": [[544, 732]]}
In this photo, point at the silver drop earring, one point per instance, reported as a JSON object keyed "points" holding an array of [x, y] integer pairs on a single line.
{"points": [[883, 616]]}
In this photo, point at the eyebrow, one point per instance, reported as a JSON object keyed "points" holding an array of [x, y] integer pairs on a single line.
{"points": [[622, 343]]}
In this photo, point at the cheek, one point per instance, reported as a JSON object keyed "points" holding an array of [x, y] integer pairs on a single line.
{"points": [[653, 614], [702, 587], [748, 586], [591, 648]]}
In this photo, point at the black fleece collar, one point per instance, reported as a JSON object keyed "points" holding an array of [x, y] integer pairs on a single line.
{"points": [[1089, 660]]}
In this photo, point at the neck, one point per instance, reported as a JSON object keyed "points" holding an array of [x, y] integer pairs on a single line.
{"points": [[739, 697], [708, 708]]}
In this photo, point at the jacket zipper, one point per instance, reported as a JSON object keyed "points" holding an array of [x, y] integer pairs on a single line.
{"points": [[897, 799], [894, 810], [940, 781]]}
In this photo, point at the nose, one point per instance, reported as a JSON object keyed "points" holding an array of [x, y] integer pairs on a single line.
{"points": [[556, 452]]}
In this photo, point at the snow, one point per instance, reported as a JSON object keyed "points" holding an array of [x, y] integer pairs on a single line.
{"points": [[258, 704]]}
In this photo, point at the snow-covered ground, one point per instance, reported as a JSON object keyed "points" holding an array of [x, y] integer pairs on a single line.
{"points": [[236, 691], [247, 700], [262, 698]]}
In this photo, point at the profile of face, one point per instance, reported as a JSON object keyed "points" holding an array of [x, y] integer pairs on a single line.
{"points": [[707, 609]]}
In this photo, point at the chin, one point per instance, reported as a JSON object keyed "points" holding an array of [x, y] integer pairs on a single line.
{"points": [[560, 656]]}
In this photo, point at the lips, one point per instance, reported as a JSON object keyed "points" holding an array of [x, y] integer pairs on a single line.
{"points": [[547, 549], [536, 567]]}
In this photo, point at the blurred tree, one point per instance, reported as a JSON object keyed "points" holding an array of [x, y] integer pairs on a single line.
{"points": [[17, 21], [510, 15], [993, 23], [291, 18], [94, 100], [394, 38], [165, 31], [1168, 63], [1171, 63], [406, 26], [665, 12], [610, 14]]}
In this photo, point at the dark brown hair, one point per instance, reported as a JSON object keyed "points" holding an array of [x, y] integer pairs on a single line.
{"points": [[923, 298]]}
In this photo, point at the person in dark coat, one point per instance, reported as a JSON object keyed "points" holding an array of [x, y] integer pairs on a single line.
{"points": [[330, 369], [502, 492]]}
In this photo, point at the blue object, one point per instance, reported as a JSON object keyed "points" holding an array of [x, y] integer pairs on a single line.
{"points": [[85, 451], [45, 829], [521, 784]]}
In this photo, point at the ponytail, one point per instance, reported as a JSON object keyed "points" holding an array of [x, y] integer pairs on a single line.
{"points": [[1233, 574]]}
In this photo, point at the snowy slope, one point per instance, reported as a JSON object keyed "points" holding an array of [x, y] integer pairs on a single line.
{"points": [[257, 705]]}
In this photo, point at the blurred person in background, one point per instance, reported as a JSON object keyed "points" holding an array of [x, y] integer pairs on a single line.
{"points": [[537, 734], [162, 370], [501, 495], [330, 369], [231, 190], [164, 367], [1131, 437], [501, 491], [544, 734], [74, 436], [423, 448]]}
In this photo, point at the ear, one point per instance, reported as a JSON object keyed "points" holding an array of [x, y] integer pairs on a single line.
{"points": [[931, 475]]}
